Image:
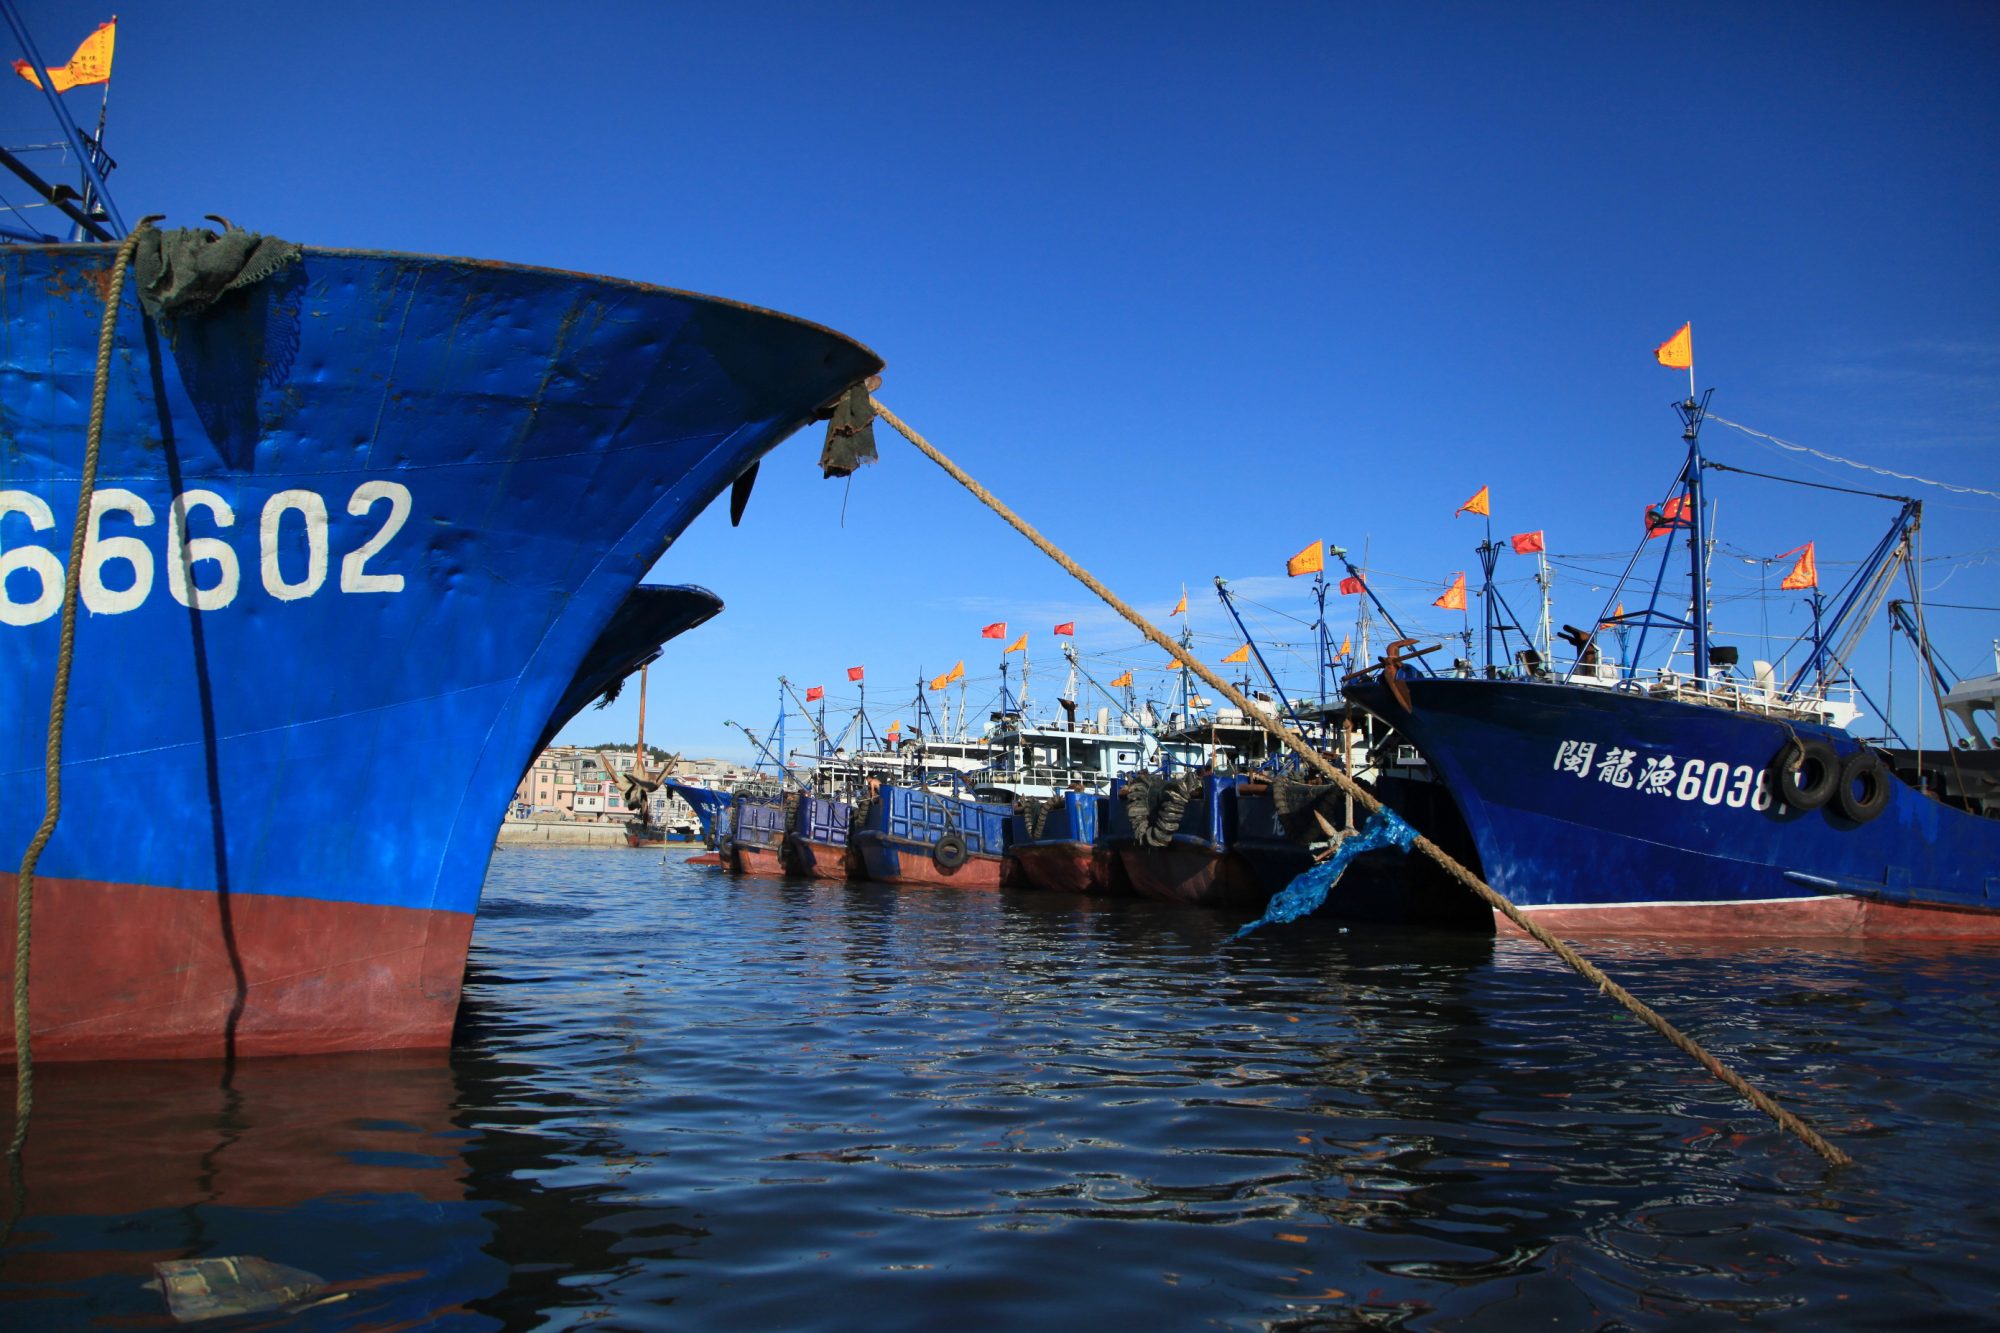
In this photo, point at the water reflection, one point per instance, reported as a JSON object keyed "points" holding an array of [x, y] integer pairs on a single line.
{"points": [[349, 1167], [682, 1099]]}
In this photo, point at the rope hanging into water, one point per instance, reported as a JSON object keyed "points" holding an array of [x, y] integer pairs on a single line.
{"points": [[1366, 799], [24, 889]]}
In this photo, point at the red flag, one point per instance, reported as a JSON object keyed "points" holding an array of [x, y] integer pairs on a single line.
{"points": [[996, 630], [1526, 543], [1665, 518], [1067, 627], [854, 673], [1351, 585], [815, 692]]}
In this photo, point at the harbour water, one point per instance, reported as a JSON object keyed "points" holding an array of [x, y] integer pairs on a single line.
{"points": [[683, 1101]]}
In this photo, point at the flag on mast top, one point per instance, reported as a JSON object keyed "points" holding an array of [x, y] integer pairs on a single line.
{"points": [[1677, 353]]}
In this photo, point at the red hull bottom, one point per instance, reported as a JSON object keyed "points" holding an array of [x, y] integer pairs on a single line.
{"points": [[138, 972], [759, 862], [1832, 917], [1196, 878], [822, 860], [918, 870], [1072, 868]]}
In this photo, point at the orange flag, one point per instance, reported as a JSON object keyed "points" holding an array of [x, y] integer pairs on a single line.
{"points": [[1309, 561], [1346, 645], [1240, 655], [1123, 680], [1478, 504], [996, 630], [90, 64], [1677, 352], [1019, 645], [1180, 607], [1454, 596], [1805, 574]]}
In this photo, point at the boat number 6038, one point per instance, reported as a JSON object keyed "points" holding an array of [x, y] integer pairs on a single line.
{"points": [[202, 572]]}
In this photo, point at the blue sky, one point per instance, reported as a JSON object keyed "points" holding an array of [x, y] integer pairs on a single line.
{"points": [[1189, 286]]}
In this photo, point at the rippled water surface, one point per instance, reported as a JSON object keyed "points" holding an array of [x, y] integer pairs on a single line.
{"points": [[684, 1101]]}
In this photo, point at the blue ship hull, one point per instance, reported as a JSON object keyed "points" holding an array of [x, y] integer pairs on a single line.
{"points": [[1601, 810], [358, 528], [645, 620]]}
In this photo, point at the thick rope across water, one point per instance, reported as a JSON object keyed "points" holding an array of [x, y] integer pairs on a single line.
{"points": [[1366, 799], [24, 889]]}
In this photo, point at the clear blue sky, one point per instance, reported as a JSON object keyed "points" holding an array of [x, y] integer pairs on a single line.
{"points": [[1189, 286]]}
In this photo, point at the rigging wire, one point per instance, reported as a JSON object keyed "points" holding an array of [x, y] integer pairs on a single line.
{"points": [[1848, 462]]}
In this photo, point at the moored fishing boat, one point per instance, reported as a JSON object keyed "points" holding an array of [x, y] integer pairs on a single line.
{"points": [[817, 845], [909, 835], [1204, 839], [1059, 844], [1699, 802], [756, 842], [359, 517]]}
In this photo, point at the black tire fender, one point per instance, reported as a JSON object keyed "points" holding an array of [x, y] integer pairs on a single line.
{"points": [[1863, 790], [1806, 773], [949, 851]]}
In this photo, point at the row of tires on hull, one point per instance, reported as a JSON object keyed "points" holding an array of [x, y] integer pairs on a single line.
{"points": [[1808, 773]]}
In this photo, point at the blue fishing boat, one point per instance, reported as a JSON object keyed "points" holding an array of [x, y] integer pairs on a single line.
{"points": [[817, 844], [359, 520], [1695, 800], [914, 836], [757, 822], [1060, 843], [1205, 839]]}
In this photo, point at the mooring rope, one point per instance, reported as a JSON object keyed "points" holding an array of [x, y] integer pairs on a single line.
{"points": [[1577, 962], [24, 889]]}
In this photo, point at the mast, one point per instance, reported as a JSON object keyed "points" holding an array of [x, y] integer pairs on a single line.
{"points": [[1692, 414], [639, 747]]}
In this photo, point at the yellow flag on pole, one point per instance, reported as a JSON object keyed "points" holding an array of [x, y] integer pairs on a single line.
{"points": [[90, 64], [1180, 607], [1478, 504], [1309, 561], [1122, 681], [1240, 655], [1346, 645], [1019, 645], [1454, 596], [1677, 352]]}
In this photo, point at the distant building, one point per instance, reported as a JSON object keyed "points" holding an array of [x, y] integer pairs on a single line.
{"points": [[568, 783]]}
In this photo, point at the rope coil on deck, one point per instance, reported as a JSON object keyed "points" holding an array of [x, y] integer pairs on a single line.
{"points": [[1366, 799], [24, 889]]}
